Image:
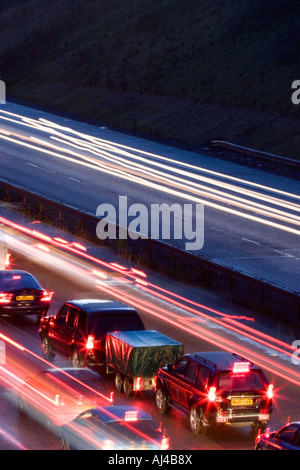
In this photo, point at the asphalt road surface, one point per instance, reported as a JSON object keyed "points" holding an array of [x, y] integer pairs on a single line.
{"points": [[70, 277], [251, 217]]}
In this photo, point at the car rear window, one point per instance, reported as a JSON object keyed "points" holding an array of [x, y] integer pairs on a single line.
{"points": [[248, 381], [141, 429], [102, 324], [18, 281]]}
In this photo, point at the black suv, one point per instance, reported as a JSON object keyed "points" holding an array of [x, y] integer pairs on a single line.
{"points": [[215, 388], [79, 329]]}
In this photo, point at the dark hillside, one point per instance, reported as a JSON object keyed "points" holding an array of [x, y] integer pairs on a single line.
{"points": [[186, 70]]}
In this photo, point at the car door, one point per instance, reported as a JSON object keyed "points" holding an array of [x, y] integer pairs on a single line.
{"points": [[63, 329], [283, 439], [187, 385], [58, 327], [177, 386], [69, 331]]}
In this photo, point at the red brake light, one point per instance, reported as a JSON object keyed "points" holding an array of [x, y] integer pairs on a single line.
{"points": [[165, 443], [7, 260], [90, 342], [270, 391], [138, 383], [47, 296], [212, 394], [239, 367], [5, 298]]}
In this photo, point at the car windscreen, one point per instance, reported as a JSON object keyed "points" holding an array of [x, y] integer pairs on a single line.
{"points": [[248, 381], [10, 282], [106, 323]]}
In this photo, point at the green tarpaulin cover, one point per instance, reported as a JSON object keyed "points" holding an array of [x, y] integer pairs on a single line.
{"points": [[140, 353]]}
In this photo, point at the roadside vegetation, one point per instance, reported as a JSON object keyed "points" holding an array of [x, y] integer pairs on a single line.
{"points": [[187, 71]]}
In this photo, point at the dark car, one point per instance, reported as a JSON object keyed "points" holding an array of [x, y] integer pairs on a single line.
{"points": [[215, 388], [21, 294], [56, 396], [287, 438], [79, 329], [117, 427]]}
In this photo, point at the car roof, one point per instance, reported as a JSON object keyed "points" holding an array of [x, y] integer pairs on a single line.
{"points": [[100, 306], [14, 272], [219, 359], [118, 413]]}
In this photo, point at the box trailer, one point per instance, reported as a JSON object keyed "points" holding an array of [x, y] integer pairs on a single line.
{"points": [[135, 357]]}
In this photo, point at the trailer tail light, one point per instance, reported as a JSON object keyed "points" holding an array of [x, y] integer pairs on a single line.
{"points": [[139, 383], [5, 298], [165, 443], [212, 394], [270, 391], [47, 296], [90, 342]]}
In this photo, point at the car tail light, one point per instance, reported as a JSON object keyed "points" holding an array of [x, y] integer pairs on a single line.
{"points": [[222, 416], [138, 384], [212, 394], [165, 443], [108, 444], [58, 400], [90, 342], [264, 415], [270, 391], [47, 296], [7, 261], [5, 298]]}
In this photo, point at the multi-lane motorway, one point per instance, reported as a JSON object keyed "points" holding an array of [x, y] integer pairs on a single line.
{"points": [[251, 217], [193, 316]]}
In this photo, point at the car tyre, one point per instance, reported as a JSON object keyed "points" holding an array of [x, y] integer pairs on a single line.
{"points": [[161, 401], [46, 348], [127, 386], [75, 358], [196, 420], [119, 381]]}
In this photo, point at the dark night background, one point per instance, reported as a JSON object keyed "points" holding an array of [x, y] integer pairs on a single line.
{"points": [[188, 71]]}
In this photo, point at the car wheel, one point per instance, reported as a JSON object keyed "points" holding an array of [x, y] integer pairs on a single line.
{"points": [[196, 420], [161, 401], [64, 445], [75, 358], [127, 386], [119, 381], [46, 348]]}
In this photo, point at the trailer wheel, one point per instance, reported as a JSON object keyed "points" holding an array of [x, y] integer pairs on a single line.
{"points": [[126, 386], [118, 381]]}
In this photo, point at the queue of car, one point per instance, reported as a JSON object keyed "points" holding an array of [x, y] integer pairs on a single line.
{"points": [[210, 388]]}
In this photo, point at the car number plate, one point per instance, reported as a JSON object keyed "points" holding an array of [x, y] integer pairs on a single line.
{"points": [[25, 297], [242, 401]]}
